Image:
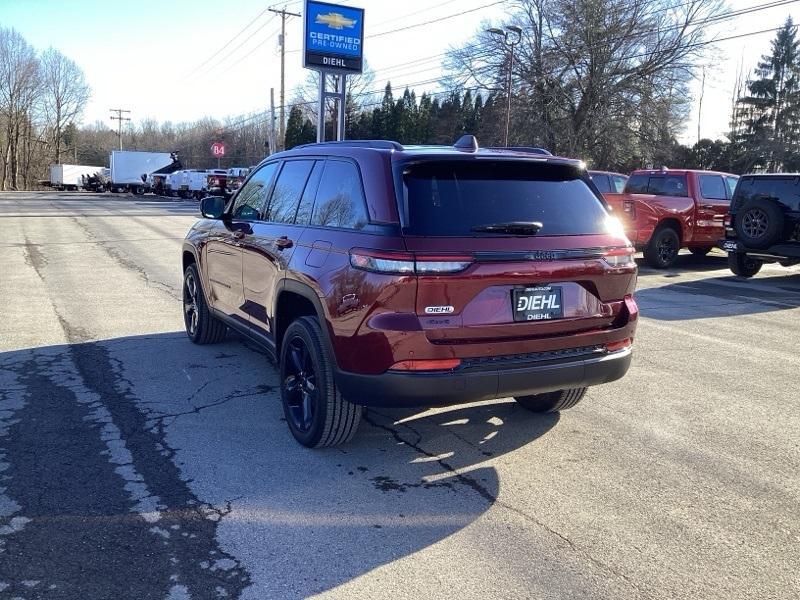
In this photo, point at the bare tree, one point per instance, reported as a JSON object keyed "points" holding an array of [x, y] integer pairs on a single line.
{"points": [[603, 79], [19, 90], [64, 94]]}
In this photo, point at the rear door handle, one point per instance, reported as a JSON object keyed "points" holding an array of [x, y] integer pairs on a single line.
{"points": [[707, 206], [283, 243]]}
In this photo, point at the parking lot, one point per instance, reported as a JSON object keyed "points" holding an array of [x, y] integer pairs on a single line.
{"points": [[134, 464]]}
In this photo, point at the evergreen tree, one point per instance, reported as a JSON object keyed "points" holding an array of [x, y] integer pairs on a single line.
{"points": [[767, 120], [294, 128]]}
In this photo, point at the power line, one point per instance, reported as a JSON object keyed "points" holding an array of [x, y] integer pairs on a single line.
{"points": [[423, 23], [639, 55], [228, 43], [242, 43]]}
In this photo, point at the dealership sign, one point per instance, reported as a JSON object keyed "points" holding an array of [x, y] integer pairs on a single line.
{"points": [[333, 38]]}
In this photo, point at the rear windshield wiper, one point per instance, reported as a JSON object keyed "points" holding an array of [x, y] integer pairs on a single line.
{"points": [[515, 227]]}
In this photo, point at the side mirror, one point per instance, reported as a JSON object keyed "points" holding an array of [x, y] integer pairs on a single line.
{"points": [[212, 207]]}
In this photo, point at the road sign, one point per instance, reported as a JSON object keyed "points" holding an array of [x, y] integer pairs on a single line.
{"points": [[218, 149], [333, 37]]}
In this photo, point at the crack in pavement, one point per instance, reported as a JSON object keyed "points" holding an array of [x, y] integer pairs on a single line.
{"points": [[129, 264], [474, 485]]}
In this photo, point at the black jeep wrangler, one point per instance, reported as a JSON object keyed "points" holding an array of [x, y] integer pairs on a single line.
{"points": [[764, 223]]}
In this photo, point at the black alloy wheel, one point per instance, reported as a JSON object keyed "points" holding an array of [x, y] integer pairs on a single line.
{"points": [[300, 385], [201, 325], [191, 315], [314, 408], [662, 251]]}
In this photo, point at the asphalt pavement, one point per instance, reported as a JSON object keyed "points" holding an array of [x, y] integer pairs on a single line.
{"points": [[134, 464]]}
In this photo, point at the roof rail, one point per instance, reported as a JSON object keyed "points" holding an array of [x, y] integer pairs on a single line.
{"points": [[527, 149], [379, 144]]}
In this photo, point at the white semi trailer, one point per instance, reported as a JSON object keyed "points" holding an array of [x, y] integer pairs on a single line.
{"points": [[129, 169], [71, 177]]}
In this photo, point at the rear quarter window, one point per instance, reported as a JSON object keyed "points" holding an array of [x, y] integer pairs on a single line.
{"points": [[450, 198], [340, 197]]}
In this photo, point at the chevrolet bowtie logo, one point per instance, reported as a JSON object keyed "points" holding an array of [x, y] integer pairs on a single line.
{"points": [[335, 21]]}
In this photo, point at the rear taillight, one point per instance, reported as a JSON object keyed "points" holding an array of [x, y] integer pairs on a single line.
{"points": [[406, 263], [620, 257]]}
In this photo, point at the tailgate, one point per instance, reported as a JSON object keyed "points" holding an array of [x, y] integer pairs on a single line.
{"points": [[518, 288]]}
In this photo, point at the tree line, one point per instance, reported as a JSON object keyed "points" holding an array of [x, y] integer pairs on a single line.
{"points": [[603, 80], [42, 95]]}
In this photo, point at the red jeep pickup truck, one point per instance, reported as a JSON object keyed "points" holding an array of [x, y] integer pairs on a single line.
{"points": [[668, 209]]}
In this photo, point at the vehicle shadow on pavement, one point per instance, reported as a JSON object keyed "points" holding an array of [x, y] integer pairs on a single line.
{"points": [[145, 466], [688, 263], [719, 297]]}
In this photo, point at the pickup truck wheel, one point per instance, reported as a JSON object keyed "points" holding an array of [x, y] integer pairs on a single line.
{"points": [[315, 411], [662, 251], [700, 250], [759, 223], [552, 401], [201, 326], [742, 265]]}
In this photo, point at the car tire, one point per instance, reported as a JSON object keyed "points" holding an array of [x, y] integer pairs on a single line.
{"points": [[662, 251], [552, 401], [201, 326], [700, 250], [759, 223], [742, 265], [317, 414]]}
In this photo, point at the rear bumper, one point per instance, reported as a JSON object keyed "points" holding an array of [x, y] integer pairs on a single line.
{"points": [[783, 251], [475, 384]]}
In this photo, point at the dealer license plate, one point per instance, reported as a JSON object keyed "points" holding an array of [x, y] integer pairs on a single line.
{"points": [[540, 303]]}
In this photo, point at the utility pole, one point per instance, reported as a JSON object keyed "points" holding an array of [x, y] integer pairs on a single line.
{"points": [[272, 145], [282, 125], [700, 105], [119, 118], [509, 41]]}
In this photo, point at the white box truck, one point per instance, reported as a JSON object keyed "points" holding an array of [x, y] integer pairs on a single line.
{"points": [[129, 169], [71, 177]]}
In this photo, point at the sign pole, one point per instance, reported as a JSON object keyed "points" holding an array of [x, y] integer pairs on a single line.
{"points": [[342, 106], [321, 108]]}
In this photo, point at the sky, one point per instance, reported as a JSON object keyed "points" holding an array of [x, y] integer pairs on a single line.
{"points": [[168, 59]]}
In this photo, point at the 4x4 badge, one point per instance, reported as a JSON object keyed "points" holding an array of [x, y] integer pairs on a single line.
{"points": [[438, 310]]}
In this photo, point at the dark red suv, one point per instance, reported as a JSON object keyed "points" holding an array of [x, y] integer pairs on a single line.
{"points": [[384, 275]]}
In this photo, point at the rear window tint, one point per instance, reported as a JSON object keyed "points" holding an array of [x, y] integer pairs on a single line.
{"points": [[780, 189], [658, 185], [449, 198], [601, 180]]}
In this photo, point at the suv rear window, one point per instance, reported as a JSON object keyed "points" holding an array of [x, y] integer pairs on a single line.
{"points": [[658, 185], [780, 189], [449, 198]]}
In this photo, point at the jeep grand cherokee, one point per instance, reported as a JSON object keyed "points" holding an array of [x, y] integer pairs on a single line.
{"points": [[384, 275]]}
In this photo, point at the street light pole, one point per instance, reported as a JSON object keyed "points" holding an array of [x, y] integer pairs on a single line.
{"points": [[512, 35]]}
